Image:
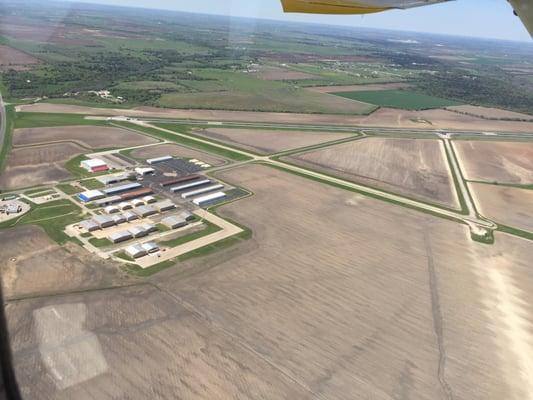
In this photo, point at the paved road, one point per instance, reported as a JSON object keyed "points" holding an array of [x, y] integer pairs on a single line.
{"points": [[470, 218]]}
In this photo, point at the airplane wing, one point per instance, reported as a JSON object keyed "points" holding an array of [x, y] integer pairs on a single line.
{"points": [[522, 8]]}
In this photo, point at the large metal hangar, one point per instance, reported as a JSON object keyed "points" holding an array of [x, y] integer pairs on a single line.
{"points": [[197, 192], [209, 199], [91, 195], [190, 185], [122, 188]]}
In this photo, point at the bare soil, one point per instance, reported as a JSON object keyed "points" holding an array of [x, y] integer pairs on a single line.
{"points": [[88, 136], [415, 168], [502, 162], [269, 141], [383, 117], [30, 166], [32, 264], [175, 151], [506, 205], [337, 296]]}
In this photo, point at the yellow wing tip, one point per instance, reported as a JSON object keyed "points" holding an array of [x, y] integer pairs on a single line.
{"points": [[328, 7]]}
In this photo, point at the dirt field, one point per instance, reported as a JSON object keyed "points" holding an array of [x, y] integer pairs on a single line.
{"points": [[269, 141], [359, 88], [384, 117], [32, 264], [176, 151], [415, 168], [88, 136], [281, 74], [506, 205], [30, 166], [491, 113], [503, 162], [337, 296], [11, 58]]}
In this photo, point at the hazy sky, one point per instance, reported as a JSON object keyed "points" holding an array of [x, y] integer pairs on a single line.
{"points": [[483, 18]]}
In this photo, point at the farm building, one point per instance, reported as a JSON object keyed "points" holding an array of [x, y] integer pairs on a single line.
{"points": [[111, 209], [107, 201], [144, 171], [197, 192], [149, 199], [103, 221], [175, 181], [119, 237], [149, 228], [136, 193], [153, 161], [94, 165], [150, 247], [145, 211], [122, 188], [91, 195], [164, 205], [137, 232], [130, 216], [137, 203], [89, 225], [135, 251], [174, 222], [125, 206], [209, 199], [190, 185], [119, 219]]}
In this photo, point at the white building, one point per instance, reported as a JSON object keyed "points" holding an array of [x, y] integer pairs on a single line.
{"points": [[135, 251], [209, 199], [144, 171], [94, 165]]}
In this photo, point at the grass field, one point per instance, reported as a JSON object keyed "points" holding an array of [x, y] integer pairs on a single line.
{"points": [[403, 99], [8, 139], [53, 217], [36, 120]]}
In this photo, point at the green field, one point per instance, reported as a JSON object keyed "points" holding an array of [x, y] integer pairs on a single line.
{"points": [[53, 217], [403, 99], [36, 120]]}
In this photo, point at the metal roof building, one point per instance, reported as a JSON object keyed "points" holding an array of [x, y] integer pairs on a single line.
{"points": [[91, 195], [135, 251], [107, 200], [111, 209], [152, 161], [125, 206], [130, 216], [144, 171], [145, 211], [89, 225], [138, 232], [118, 237], [209, 199], [149, 199], [119, 219], [136, 193], [122, 188], [164, 205], [103, 221], [203, 190], [186, 215], [174, 222], [190, 185], [150, 247], [94, 165], [110, 179], [149, 228], [174, 181], [137, 203]]}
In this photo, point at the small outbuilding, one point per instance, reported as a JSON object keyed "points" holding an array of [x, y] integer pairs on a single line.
{"points": [[137, 203], [130, 216], [111, 209], [119, 219], [125, 206], [89, 225], [149, 199], [164, 205]]}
